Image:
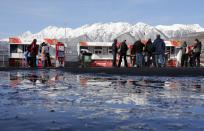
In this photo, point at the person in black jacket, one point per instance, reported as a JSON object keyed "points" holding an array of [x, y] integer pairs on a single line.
{"points": [[138, 47], [123, 53], [148, 53], [196, 52], [159, 51], [114, 52], [184, 57]]}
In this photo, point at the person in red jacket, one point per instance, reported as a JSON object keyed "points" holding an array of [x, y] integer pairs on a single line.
{"points": [[33, 53]]}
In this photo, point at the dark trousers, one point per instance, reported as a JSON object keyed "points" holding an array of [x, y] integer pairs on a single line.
{"points": [[148, 61], [191, 61], [48, 60], [114, 59], [28, 61], [184, 60], [125, 59], [33, 61], [154, 60], [196, 59]]}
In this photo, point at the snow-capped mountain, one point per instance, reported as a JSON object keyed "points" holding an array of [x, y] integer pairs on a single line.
{"points": [[109, 31], [178, 30]]}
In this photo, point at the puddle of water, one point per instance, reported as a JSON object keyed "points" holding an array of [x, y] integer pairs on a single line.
{"points": [[55, 100]]}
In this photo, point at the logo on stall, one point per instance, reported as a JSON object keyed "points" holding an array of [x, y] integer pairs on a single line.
{"points": [[51, 41], [15, 40]]}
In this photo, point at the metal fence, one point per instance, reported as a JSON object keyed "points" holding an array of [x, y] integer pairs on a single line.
{"points": [[4, 60], [4, 54]]}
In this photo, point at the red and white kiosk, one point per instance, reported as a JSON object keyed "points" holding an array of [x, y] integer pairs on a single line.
{"points": [[102, 53], [18, 48], [60, 56]]}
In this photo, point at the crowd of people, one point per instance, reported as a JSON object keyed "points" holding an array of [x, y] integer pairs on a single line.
{"points": [[191, 54], [150, 54], [153, 54], [34, 51]]}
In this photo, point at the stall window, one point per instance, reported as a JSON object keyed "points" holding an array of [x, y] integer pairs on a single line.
{"points": [[84, 47], [172, 50], [25, 48], [168, 49], [20, 49], [13, 48], [91, 49], [110, 50], [98, 50], [105, 50]]}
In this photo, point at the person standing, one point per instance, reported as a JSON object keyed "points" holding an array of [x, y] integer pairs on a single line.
{"points": [[43, 57], [27, 56], [159, 51], [114, 52], [34, 53], [196, 53], [190, 55], [47, 55], [138, 47], [123, 53], [184, 56], [148, 52]]}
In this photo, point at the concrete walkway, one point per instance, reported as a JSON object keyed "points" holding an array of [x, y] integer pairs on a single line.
{"points": [[175, 72]]}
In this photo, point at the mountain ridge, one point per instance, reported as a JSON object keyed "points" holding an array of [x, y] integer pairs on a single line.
{"points": [[109, 31]]}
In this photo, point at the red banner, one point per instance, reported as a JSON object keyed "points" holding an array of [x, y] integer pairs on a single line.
{"points": [[51, 41], [15, 40]]}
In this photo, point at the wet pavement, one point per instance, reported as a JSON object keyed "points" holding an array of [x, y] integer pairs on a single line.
{"points": [[57, 100]]}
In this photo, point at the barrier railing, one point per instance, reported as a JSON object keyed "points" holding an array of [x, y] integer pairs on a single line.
{"points": [[4, 60]]}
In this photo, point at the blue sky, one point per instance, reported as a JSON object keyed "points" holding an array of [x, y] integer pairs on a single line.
{"points": [[18, 16]]}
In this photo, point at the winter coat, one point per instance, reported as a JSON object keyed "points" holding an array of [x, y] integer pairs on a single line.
{"points": [[114, 48], [197, 47], [138, 47], [148, 47], [123, 48], [34, 49], [159, 47]]}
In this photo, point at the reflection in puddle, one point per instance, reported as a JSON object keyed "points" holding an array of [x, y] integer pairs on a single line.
{"points": [[79, 101]]}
